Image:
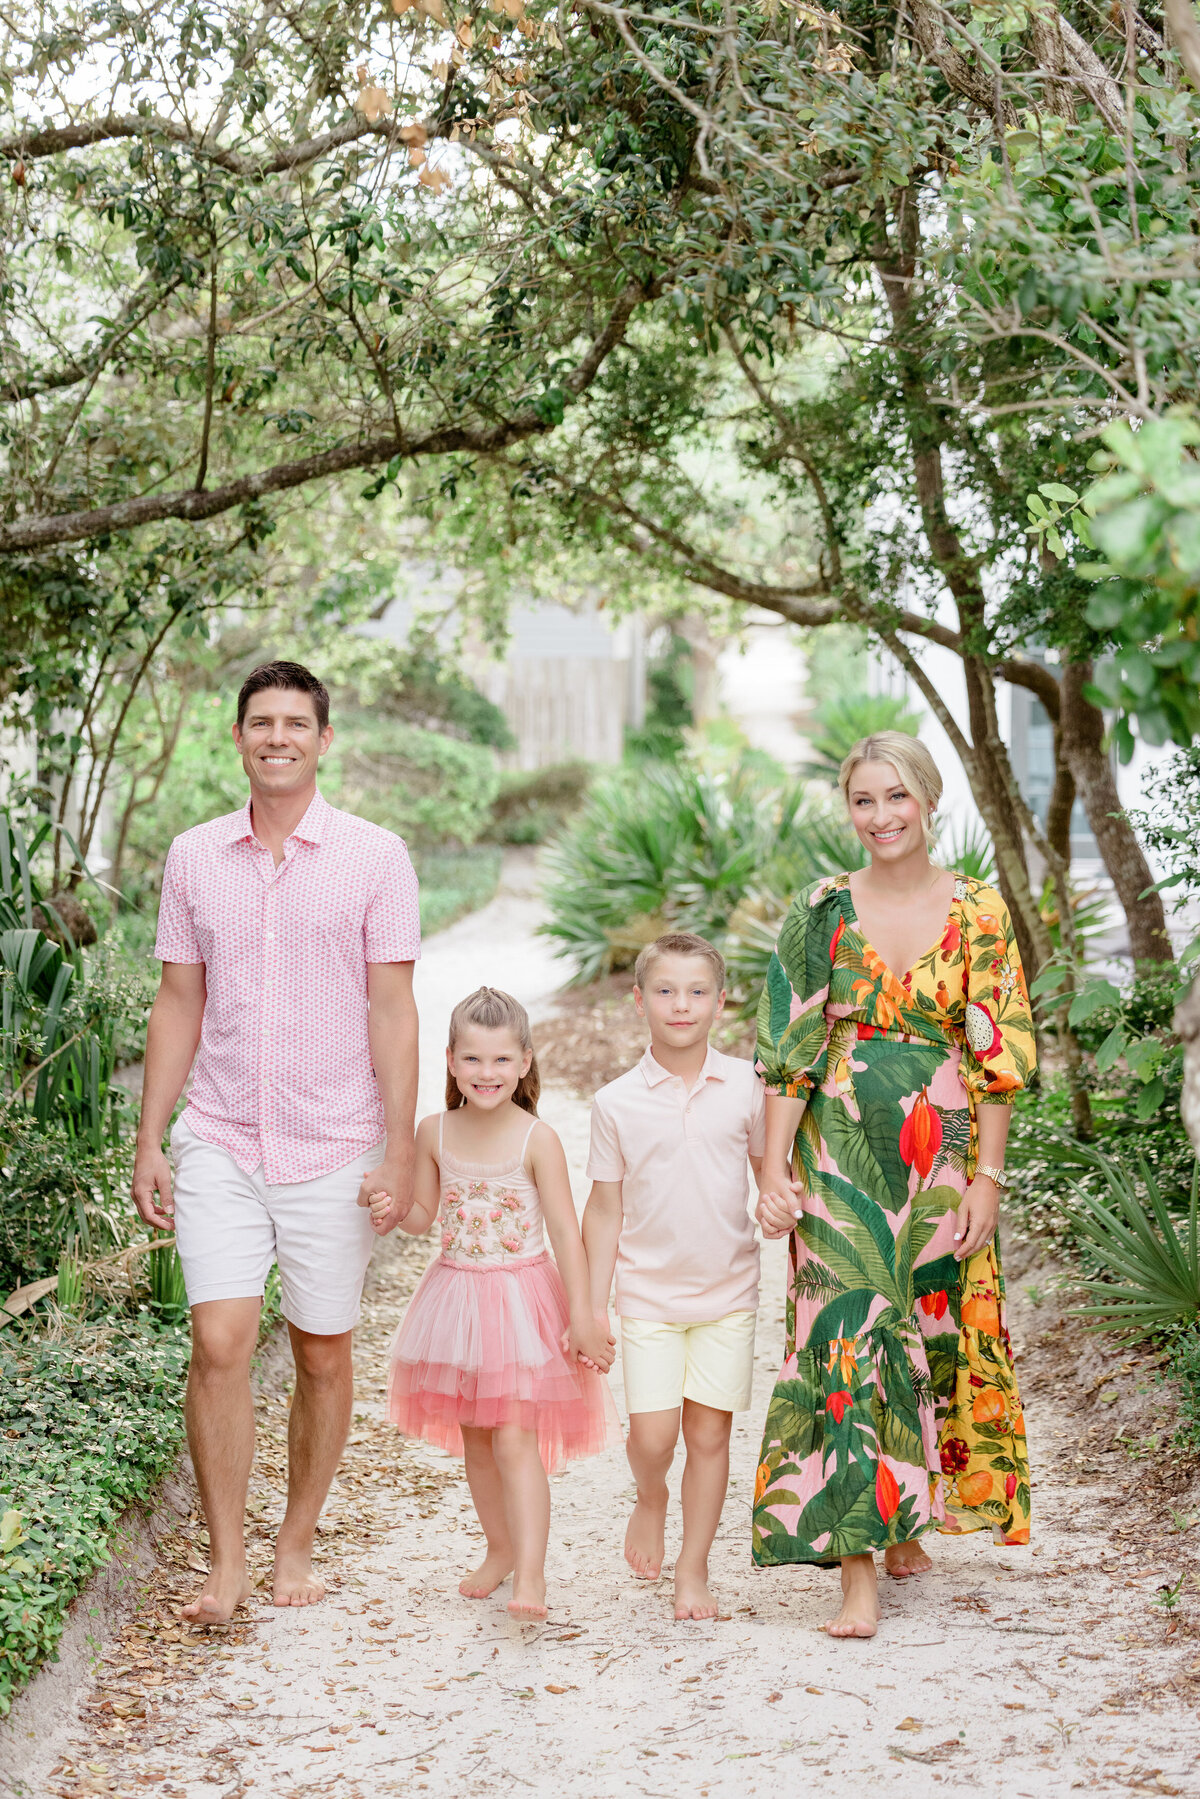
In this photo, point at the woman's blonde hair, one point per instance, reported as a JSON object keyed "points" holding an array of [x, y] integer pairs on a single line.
{"points": [[492, 1010], [912, 762]]}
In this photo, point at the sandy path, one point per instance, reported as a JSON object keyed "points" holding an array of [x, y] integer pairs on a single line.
{"points": [[1005, 1671]]}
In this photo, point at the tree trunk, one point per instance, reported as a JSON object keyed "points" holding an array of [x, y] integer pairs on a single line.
{"points": [[1062, 800], [1083, 742], [1187, 1023]]}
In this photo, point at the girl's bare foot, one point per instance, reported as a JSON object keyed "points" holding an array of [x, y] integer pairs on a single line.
{"points": [[645, 1537], [495, 1567], [219, 1597], [904, 1559], [692, 1596], [859, 1616], [529, 1597]]}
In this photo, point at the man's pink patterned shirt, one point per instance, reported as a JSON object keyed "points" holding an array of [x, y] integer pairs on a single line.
{"points": [[284, 1075]]}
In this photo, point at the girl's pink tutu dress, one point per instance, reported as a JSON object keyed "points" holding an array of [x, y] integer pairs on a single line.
{"points": [[481, 1341]]}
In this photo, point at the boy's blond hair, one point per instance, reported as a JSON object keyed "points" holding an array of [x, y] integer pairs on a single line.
{"points": [[679, 943]]}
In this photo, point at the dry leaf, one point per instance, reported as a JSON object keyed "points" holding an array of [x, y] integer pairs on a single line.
{"points": [[433, 9], [529, 27], [456, 58], [416, 156], [414, 133], [495, 85], [773, 1698], [433, 177], [465, 34], [551, 1689], [518, 74], [909, 1724], [373, 103], [550, 36], [814, 1690], [400, 7], [514, 8], [440, 71]]}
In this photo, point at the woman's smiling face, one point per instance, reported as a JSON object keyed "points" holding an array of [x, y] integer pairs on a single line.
{"points": [[886, 816]]}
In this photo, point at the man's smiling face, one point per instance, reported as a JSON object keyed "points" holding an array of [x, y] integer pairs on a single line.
{"points": [[280, 742]]}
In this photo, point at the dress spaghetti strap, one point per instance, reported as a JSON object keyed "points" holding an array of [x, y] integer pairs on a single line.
{"points": [[525, 1145]]}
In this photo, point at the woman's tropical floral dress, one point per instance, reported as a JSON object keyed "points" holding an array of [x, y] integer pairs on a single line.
{"points": [[896, 1408]]}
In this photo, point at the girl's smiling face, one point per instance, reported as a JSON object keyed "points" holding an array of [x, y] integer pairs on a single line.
{"points": [[487, 1064], [885, 815]]}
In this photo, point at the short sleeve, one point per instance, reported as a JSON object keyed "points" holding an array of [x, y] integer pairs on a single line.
{"points": [[793, 1031], [1001, 1050], [392, 925], [176, 937], [756, 1141], [605, 1161]]}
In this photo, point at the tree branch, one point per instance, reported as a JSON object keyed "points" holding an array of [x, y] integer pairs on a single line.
{"points": [[125, 515]]}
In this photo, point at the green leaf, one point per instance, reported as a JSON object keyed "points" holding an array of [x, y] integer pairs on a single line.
{"points": [[12, 1531], [1150, 1098], [1054, 490], [1092, 998], [1112, 1048]]}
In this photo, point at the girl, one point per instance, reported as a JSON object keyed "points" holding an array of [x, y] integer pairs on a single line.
{"points": [[486, 1362], [894, 1033]]}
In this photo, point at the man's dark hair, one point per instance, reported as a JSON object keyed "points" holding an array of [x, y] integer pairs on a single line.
{"points": [[284, 674]]}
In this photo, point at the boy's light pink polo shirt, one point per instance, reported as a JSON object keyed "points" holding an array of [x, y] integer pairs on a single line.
{"points": [[284, 1075], [688, 1253]]}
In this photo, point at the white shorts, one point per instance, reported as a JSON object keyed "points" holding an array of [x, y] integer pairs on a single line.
{"points": [[664, 1364], [230, 1226]]}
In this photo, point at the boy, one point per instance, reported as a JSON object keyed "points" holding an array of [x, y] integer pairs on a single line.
{"points": [[668, 1208]]}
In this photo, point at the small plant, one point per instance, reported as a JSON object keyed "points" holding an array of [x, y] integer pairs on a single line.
{"points": [[1169, 1594], [1149, 1280], [168, 1294], [1183, 1521]]}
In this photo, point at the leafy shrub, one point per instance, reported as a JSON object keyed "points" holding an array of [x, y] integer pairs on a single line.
{"points": [[454, 882], [1183, 1367], [532, 804], [88, 1425], [427, 787], [56, 1194], [1148, 1279], [673, 846], [843, 718]]}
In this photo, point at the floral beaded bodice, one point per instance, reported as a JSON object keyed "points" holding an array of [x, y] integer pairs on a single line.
{"points": [[488, 1215]]}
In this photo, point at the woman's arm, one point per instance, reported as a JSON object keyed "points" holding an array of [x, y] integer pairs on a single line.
{"points": [[979, 1213], [549, 1169], [778, 1194]]}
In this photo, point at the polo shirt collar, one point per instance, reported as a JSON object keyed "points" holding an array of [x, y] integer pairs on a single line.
{"points": [[310, 829], [655, 1074]]}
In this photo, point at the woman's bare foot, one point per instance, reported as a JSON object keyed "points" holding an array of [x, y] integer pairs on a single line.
{"points": [[692, 1596], [219, 1597], [495, 1567], [859, 1616], [904, 1559], [645, 1537], [529, 1597], [294, 1582]]}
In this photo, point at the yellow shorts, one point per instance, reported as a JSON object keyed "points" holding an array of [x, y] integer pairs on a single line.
{"points": [[712, 1363]]}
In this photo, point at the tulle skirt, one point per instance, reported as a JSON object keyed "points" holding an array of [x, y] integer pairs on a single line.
{"points": [[482, 1346]]}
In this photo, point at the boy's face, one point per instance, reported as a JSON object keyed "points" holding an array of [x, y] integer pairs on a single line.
{"points": [[681, 1001]]}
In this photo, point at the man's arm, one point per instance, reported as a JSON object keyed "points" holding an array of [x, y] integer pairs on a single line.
{"points": [[392, 1030], [171, 1039]]}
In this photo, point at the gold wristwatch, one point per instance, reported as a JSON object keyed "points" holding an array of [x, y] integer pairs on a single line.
{"points": [[994, 1174]]}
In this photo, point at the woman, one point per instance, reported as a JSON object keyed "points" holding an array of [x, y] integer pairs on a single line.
{"points": [[893, 1031]]}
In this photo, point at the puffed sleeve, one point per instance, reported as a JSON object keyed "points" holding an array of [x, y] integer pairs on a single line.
{"points": [[793, 1031], [1001, 1051]]}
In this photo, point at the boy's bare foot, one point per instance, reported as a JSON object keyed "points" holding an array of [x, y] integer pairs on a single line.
{"points": [[293, 1582], [219, 1597], [692, 1596], [482, 1581], [645, 1537], [859, 1616], [529, 1597], [904, 1559]]}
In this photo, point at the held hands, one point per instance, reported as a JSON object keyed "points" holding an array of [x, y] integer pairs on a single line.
{"points": [[153, 1194], [779, 1204], [978, 1215], [387, 1191], [591, 1342]]}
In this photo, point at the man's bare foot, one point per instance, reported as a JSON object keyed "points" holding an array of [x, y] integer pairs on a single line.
{"points": [[529, 1597], [294, 1582], [904, 1559], [692, 1596], [496, 1566], [645, 1537], [219, 1597], [859, 1616]]}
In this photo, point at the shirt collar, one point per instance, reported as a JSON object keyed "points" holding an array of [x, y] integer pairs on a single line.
{"points": [[309, 830], [655, 1074]]}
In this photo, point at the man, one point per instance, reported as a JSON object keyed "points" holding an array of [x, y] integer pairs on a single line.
{"points": [[287, 934]]}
